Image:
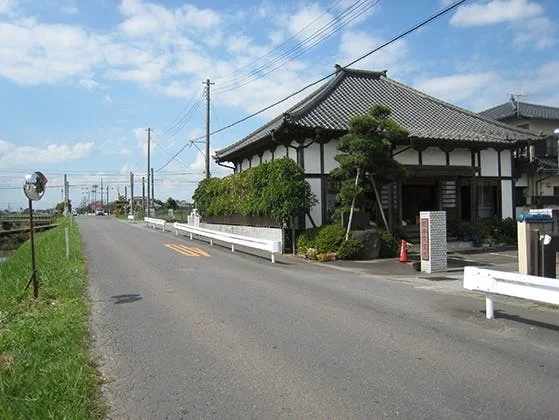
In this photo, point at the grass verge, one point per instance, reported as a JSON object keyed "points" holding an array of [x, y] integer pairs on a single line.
{"points": [[46, 370]]}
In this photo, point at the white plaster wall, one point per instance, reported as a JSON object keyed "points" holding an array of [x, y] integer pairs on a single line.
{"points": [[279, 152], [408, 157], [312, 159], [316, 211], [461, 157], [245, 164], [329, 152], [433, 156], [506, 199], [266, 156], [506, 168], [489, 163]]}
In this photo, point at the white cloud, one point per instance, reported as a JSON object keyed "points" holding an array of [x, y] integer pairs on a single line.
{"points": [[149, 19], [354, 44], [480, 90], [33, 53], [495, 11], [457, 88], [305, 22], [89, 84], [6, 6], [107, 99], [539, 33], [15, 156]]}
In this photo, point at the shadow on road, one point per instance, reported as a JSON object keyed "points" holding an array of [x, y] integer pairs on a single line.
{"points": [[540, 324], [126, 298]]}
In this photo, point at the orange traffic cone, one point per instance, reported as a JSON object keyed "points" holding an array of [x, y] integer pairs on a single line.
{"points": [[403, 251]]}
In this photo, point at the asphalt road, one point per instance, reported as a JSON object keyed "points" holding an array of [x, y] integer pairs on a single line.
{"points": [[195, 331]]}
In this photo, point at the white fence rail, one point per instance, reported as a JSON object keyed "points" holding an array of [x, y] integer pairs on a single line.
{"points": [[155, 222], [274, 247], [491, 282]]}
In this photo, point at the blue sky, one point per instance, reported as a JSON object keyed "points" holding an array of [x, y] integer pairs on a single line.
{"points": [[80, 81]]}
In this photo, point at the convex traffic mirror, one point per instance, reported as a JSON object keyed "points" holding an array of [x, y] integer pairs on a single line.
{"points": [[34, 186]]}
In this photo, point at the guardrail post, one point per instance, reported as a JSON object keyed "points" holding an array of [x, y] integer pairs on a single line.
{"points": [[489, 306]]}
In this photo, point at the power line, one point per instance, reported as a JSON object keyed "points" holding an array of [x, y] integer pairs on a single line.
{"points": [[391, 41], [351, 13]]}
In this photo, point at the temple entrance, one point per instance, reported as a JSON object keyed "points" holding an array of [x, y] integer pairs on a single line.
{"points": [[416, 198]]}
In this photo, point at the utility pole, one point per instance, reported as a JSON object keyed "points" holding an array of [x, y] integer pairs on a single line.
{"points": [[152, 189], [208, 83], [94, 191], [107, 196], [149, 140], [132, 193], [101, 191], [65, 195], [143, 192]]}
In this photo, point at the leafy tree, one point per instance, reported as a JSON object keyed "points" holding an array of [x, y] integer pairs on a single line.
{"points": [[366, 162], [171, 203]]}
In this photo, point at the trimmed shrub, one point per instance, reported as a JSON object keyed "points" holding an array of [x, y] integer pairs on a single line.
{"points": [[276, 189], [351, 249], [389, 246], [307, 240], [329, 238]]}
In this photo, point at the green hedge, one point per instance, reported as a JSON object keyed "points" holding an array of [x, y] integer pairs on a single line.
{"points": [[274, 189]]}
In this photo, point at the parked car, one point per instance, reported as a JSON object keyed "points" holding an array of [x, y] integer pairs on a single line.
{"points": [[99, 212]]}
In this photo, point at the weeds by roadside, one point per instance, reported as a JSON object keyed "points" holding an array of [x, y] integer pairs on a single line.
{"points": [[46, 370]]}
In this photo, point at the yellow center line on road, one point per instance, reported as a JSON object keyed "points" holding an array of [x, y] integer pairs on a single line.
{"points": [[187, 250]]}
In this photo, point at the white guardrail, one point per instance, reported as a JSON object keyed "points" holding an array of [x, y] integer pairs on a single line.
{"points": [[273, 247], [491, 282], [155, 222]]}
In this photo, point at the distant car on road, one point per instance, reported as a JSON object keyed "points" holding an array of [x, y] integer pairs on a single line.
{"points": [[99, 212]]}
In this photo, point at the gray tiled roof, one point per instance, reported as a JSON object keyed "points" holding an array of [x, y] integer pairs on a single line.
{"points": [[354, 92], [515, 109]]}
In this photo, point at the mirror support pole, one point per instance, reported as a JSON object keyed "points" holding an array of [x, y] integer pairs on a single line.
{"points": [[32, 240]]}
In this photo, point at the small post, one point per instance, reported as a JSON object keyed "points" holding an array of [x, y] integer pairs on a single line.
{"points": [[273, 258], [211, 241], [489, 306], [67, 242], [32, 240], [232, 247]]}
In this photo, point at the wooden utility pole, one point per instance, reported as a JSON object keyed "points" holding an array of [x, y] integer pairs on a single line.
{"points": [[208, 83], [132, 192], [152, 189], [143, 192], [149, 140]]}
